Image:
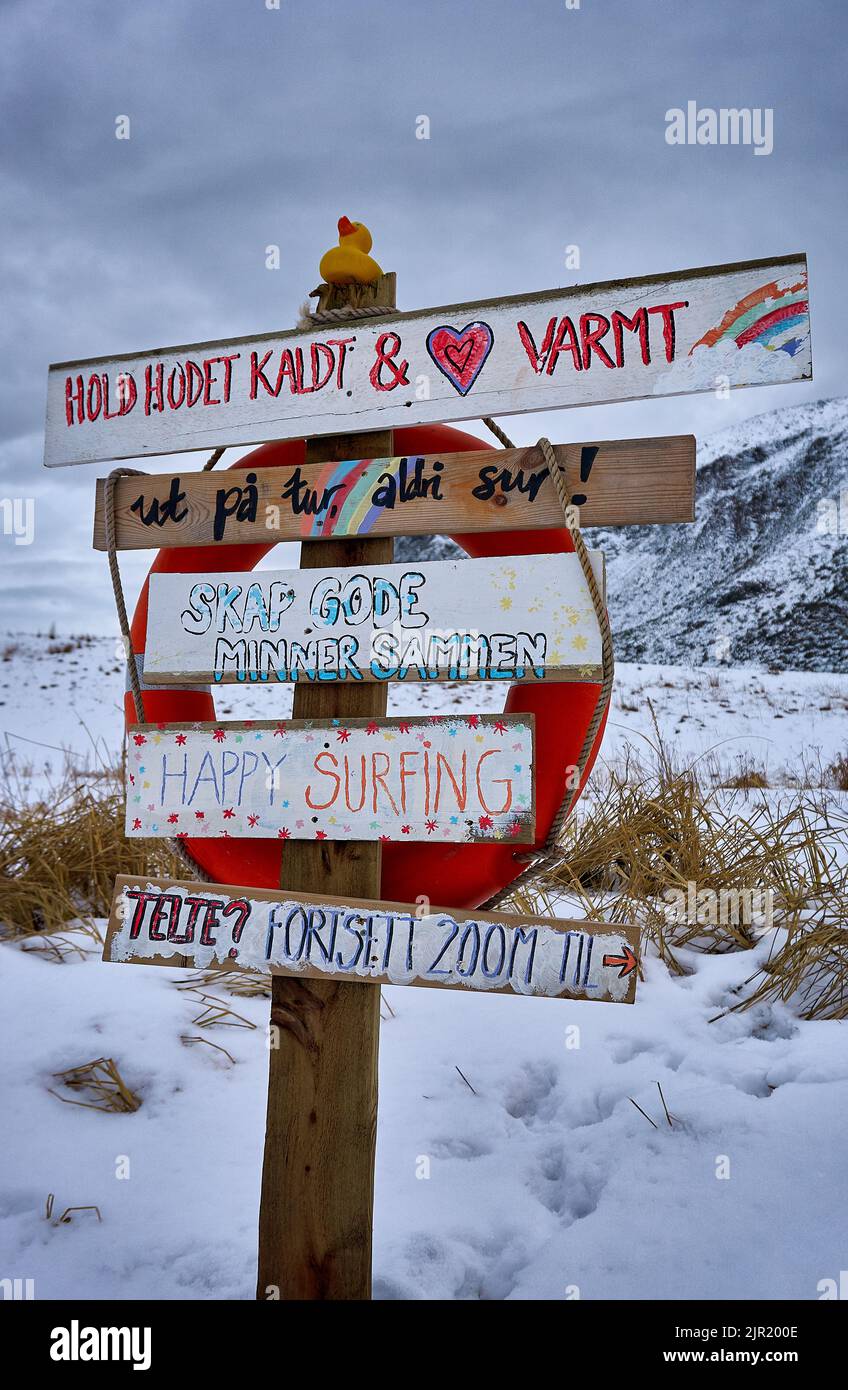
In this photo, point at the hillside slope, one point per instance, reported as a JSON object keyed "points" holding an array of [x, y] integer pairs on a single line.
{"points": [[761, 577]]}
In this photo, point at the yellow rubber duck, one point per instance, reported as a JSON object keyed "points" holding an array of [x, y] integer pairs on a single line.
{"points": [[349, 262]]}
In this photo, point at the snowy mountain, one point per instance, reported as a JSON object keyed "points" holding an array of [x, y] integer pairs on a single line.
{"points": [[761, 577]]}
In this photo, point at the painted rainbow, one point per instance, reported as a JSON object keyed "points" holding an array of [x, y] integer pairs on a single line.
{"points": [[775, 316], [351, 510]]}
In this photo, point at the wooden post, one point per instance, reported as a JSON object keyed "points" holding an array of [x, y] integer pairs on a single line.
{"points": [[316, 1207]]}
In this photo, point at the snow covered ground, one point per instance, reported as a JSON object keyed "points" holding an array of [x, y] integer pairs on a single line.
{"points": [[533, 1177], [543, 1179]]}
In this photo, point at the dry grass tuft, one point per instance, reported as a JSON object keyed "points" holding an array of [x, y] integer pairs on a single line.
{"points": [[810, 970], [645, 832], [100, 1080], [838, 771], [242, 983], [748, 778], [215, 1013], [187, 1038], [60, 854], [67, 1214], [56, 947]]}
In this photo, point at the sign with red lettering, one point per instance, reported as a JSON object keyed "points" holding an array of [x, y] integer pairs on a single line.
{"points": [[446, 777], [731, 325]]}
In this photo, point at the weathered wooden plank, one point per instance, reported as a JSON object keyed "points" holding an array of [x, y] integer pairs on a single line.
{"points": [[320, 936], [745, 324], [526, 617], [444, 778], [618, 482]]}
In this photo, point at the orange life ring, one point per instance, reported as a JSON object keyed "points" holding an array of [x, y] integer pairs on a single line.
{"points": [[455, 875]]}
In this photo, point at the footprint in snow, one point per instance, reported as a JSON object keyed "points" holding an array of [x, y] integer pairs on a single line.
{"points": [[456, 1147], [624, 1049], [530, 1095], [564, 1187]]}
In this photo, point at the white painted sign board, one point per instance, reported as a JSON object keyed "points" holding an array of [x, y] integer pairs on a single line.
{"points": [[455, 778], [512, 618], [206, 926], [743, 324]]}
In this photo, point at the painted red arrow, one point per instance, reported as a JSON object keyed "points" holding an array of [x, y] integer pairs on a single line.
{"points": [[627, 962]]}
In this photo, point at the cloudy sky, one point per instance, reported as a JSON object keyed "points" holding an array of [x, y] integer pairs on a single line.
{"points": [[254, 125]]}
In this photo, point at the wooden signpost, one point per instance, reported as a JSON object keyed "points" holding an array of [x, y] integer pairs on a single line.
{"points": [[618, 482], [455, 778], [513, 618], [340, 779], [318, 936], [739, 325], [317, 1197]]}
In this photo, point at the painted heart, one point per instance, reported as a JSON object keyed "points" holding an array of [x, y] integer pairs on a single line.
{"points": [[459, 353]]}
